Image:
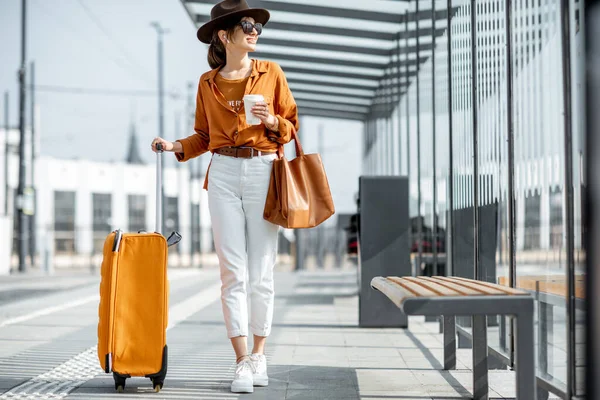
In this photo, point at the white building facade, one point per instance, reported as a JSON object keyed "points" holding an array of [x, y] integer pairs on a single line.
{"points": [[79, 202]]}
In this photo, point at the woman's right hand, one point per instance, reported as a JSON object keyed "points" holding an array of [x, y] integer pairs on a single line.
{"points": [[166, 145]]}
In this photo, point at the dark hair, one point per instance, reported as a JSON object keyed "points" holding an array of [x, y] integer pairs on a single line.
{"points": [[217, 57]]}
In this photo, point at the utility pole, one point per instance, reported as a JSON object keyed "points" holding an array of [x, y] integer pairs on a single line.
{"points": [[32, 224], [6, 153], [161, 119], [22, 218]]}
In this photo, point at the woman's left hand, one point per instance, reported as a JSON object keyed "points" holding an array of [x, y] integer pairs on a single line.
{"points": [[261, 111]]}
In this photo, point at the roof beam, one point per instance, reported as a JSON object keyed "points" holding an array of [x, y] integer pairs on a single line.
{"points": [[339, 12], [349, 85], [327, 30], [329, 61], [340, 74], [332, 98], [318, 10], [342, 63], [329, 93], [325, 105], [324, 72], [318, 112], [290, 43], [334, 61]]}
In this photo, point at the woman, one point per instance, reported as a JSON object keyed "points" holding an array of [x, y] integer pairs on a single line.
{"points": [[239, 173]]}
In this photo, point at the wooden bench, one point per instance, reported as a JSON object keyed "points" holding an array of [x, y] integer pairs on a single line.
{"points": [[450, 297]]}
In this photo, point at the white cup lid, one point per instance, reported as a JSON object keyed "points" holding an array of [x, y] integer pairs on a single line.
{"points": [[253, 97]]}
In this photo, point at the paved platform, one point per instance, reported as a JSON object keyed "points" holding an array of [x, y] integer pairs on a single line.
{"points": [[316, 350]]}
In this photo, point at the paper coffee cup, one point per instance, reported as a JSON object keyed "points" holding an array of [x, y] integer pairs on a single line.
{"points": [[249, 101]]}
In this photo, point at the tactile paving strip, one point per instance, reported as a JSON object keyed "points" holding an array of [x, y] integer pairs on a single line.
{"points": [[58, 382]]}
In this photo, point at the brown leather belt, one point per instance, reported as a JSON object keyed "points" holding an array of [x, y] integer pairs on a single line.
{"points": [[242, 152]]}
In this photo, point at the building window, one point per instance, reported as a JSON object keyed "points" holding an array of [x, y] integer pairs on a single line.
{"points": [[171, 218], [137, 212], [532, 222], [102, 212], [64, 222], [556, 218]]}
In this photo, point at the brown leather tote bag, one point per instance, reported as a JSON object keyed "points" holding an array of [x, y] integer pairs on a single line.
{"points": [[299, 194]]}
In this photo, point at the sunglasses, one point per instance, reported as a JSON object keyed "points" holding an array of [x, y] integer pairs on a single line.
{"points": [[248, 26]]}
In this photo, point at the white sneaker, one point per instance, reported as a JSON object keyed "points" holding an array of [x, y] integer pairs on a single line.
{"points": [[259, 366], [243, 382]]}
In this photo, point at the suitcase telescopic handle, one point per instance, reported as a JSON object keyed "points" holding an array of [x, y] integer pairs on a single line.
{"points": [[159, 215]]}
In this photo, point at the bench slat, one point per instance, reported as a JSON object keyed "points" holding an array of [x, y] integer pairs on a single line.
{"points": [[392, 290], [414, 288], [462, 290], [435, 286], [550, 284], [486, 287]]}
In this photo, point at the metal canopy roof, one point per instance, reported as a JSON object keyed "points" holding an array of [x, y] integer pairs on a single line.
{"points": [[341, 59]]}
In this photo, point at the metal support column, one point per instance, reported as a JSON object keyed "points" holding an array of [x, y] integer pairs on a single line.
{"points": [[433, 144], [569, 206], [407, 76], [399, 89], [389, 112], [418, 115], [592, 283], [474, 102], [450, 183], [512, 271]]}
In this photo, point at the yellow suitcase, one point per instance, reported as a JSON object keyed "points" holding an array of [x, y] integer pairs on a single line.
{"points": [[134, 303]]}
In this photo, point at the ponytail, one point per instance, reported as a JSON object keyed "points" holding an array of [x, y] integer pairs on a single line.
{"points": [[217, 57]]}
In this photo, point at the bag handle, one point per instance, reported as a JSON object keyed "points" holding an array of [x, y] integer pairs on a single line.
{"points": [[299, 150]]}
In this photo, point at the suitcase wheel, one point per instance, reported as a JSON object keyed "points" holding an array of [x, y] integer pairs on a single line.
{"points": [[119, 382], [157, 384]]}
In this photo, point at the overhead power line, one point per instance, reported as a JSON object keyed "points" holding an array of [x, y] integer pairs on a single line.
{"points": [[77, 34], [115, 42]]}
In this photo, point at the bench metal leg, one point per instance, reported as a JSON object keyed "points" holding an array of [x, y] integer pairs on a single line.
{"points": [[449, 323], [545, 336], [525, 360], [480, 356], [503, 332]]}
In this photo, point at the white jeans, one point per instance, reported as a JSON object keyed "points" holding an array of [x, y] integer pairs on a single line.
{"points": [[245, 242]]}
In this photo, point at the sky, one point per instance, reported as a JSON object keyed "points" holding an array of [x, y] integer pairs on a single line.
{"points": [[106, 50]]}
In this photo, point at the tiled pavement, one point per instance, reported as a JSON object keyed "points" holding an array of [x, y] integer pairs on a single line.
{"points": [[316, 350]]}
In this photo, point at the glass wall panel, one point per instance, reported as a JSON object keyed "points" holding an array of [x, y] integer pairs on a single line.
{"points": [[420, 129], [492, 156], [579, 187], [540, 175], [425, 148], [441, 137], [413, 149], [462, 146]]}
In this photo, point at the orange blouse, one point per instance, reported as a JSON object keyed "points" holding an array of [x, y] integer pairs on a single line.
{"points": [[219, 125]]}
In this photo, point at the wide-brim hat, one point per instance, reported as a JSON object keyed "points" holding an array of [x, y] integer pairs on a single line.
{"points": [[228, 11]]}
